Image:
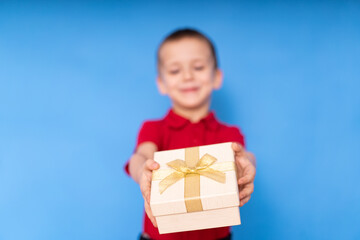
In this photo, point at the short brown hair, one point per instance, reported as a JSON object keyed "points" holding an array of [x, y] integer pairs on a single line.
{"points": [[192, 33]]}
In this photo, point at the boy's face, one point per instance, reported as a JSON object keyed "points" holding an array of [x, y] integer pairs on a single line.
{"points": [[186, 72]]}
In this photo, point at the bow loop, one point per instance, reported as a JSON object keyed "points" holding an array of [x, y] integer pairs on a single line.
{"points": [[206, 161], [178, 165], [181, 170]]}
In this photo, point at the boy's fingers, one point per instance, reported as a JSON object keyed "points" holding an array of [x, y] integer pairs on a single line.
{"points": [[246, 191], [147, 197], [243, 161], [244, 200], [247, 168], [248, 177], [145, 187], [145, 193], [245, 158], [149, 213], [237, 148], [250, 155]]}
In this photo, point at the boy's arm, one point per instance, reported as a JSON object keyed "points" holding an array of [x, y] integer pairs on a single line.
{"points": [[143, 152], [141, 166]]}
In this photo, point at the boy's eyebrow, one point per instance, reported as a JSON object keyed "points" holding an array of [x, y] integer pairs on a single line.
{"points": [[201, 59], [171, 64], [176, 62]]}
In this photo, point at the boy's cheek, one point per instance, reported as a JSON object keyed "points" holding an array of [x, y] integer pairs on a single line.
{"points": [[170, 81]]}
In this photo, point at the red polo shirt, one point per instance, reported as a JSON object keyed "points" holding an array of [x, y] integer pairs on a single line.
{"points": [[173, 132]]}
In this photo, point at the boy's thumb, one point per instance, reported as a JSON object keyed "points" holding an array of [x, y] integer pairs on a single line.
{"points": [[151, 164], [155, 165]]}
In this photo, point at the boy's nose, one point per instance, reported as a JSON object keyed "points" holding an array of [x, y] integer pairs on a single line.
{"points": [[188, 75]]}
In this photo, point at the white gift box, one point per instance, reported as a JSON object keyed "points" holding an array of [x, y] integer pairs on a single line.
{"points": [[195, 188]]}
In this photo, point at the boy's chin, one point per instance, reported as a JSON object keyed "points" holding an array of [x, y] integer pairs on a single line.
{"points": [[191, 105]]}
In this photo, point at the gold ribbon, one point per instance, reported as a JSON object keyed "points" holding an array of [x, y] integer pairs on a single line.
{"points": [[190, 170]]}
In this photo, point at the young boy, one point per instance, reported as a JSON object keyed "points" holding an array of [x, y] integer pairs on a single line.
{"points": [[188, 73]]}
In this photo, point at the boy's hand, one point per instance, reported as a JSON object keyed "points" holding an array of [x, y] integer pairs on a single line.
{"points": [[145, 186], [245, 166]]}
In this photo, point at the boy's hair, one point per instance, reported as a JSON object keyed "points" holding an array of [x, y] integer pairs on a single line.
{"points": [[188, 33]]}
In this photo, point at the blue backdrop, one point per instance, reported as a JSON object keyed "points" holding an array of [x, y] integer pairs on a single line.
{"points": [[77, 80]]}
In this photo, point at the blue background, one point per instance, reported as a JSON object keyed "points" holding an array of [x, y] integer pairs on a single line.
{"points": [[77, 80]]}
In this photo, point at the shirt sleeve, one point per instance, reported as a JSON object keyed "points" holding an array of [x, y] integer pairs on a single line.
{"points": [[149, 132], [235, 135]]}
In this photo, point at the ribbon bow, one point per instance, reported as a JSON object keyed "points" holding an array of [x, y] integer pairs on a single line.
{"points": [[182, 170]]}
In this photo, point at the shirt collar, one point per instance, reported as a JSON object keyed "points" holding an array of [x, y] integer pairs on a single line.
{"points": [[176, 121]]}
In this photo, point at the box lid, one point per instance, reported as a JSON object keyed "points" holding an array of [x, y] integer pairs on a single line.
{"points": [[213, 194]]}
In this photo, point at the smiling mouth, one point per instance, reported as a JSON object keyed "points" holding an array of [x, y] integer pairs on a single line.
{"points": [[189, 90]]}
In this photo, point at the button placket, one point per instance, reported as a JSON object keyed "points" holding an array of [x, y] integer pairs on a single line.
{"points": [[196, 133]]}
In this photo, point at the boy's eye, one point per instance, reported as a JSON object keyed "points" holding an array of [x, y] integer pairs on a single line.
{"points": [[199, 68], [174, 71]]}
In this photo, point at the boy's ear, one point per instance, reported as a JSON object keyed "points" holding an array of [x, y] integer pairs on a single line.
{"points": [[161, 85], [218, 79]]}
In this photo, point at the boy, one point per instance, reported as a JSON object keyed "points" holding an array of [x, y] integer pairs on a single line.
{"points": [[187, 73]]}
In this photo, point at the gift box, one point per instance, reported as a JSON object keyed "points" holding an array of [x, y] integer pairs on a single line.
{"points": [[195, 188]]}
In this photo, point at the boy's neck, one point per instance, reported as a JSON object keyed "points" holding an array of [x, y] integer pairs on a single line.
{"points": [[194, 114]]}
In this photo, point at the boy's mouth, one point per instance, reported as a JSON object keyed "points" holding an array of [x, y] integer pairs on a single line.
{"points": [[189, 89]]}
